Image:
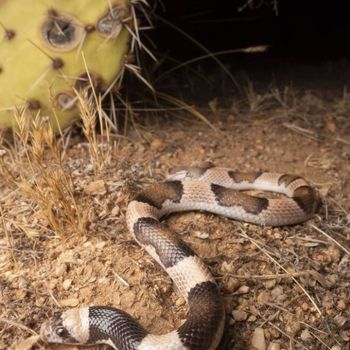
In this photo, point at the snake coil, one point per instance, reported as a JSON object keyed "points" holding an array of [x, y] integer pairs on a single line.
{"points": [[216, 190]]}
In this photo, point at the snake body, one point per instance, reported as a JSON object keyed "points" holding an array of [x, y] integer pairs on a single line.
{"points": [[216, 190]]}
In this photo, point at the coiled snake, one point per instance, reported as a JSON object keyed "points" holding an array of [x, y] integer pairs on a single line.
{"points": [[216, 190]]}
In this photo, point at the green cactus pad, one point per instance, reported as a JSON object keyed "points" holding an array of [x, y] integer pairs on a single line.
{"points": [[43, 44]]}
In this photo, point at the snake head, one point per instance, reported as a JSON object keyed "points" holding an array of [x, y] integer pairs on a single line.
{"points": [[69, 327]]}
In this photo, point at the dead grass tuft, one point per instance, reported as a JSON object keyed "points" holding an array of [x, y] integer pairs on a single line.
{"points": [[39, 172]]}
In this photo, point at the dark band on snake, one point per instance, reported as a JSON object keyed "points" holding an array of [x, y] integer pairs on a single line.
{"points": [[107, 323], [157, 195], [237, 176], [230, 197], [287, 179], [200, 305], [306, 198], [168, 246]]}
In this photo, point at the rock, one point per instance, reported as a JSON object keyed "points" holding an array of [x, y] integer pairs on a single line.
{"points": [[96, 187], [239, 315], [258, 340], [180, 301], [340, 320], [232, 284], [70, 302], [270, 284], [67, 284], [115, 211], [201, 235], [157, 145], [243, 290], [60, 270], [293, 327], [305, 335], [274, 346], [226, 267], [263, 297]]}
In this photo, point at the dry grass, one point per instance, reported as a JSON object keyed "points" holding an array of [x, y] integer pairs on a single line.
{"points": [[34, 163]]}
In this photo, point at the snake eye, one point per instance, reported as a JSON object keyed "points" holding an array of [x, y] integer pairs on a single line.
{"points": [[61, 331]]}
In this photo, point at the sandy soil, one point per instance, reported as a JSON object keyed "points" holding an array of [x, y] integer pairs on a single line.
{"points": [[304, 305]]}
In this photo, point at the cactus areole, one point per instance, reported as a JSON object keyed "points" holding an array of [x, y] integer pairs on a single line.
{"points": [[50, 49]]}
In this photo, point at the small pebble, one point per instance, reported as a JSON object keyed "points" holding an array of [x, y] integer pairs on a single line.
{"points": [[100, 245], [96, 187], [258, 340], [70, 302], [180, 301], [231, 285], [270, 284], [341, 304], [201, 235], [293, 328], [67, 284], [263, 298], [340, 320], [226, 267], [274, 346], [115, 211], [157, 145], [242, 290], [60, 270], [239, 315], [305, 335], [251, 318]]}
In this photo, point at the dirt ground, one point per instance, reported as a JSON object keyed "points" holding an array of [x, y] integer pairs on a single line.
{"points": [[292, 282]]}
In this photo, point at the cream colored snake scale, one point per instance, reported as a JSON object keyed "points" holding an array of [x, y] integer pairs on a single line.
{"points": [[208, 188]]}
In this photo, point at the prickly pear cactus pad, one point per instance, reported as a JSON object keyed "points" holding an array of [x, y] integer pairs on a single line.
{"points": [[43, 44]]}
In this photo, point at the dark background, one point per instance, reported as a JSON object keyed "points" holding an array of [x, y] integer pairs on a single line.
{"points": [[308, 47], [317, 30]]}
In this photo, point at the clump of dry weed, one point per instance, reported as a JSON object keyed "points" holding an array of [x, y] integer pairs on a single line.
{"points": [[91, 114], [45, 179], [34, 162]]}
